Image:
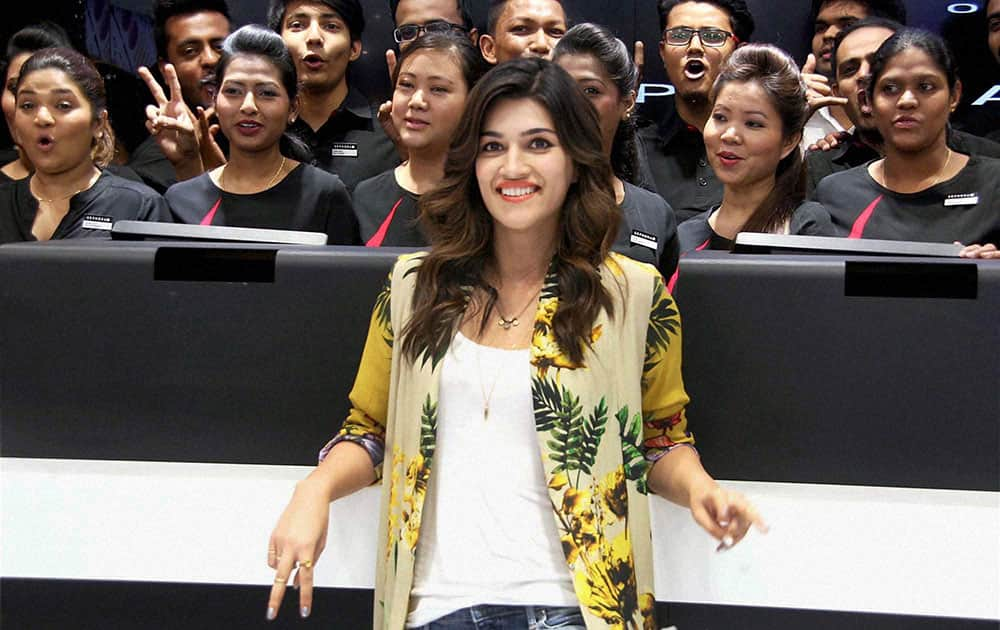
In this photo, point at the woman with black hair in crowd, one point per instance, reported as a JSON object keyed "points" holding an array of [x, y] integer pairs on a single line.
{"points": [[61, 123], [519, 393], [264, 184], [922, 190], [432, 80], [20, 46], [752, 140], [601, 65]]}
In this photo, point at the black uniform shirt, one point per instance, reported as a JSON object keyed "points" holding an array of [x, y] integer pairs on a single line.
{"points": [[678, 164], [351, 143], [387, 213], [91, 212], [696, 233], [965, 208], [648, 231], [306, 199], [853, 152]]}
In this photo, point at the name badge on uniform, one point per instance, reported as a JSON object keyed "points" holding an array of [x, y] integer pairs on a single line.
{"points": [[644, 239], [968, 199], [344, 149], [96, 222]]}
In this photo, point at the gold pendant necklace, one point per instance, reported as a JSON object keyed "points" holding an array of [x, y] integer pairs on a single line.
{"points": [[89, 183], [505, 322]]}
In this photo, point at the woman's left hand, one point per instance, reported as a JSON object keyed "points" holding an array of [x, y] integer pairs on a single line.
{"points": [[725, 514]]}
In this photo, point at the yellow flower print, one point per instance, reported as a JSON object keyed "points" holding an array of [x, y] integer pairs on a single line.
{"points": [[614, 495], [647, 606], [558, 481], [608, 588], [545, 352]]}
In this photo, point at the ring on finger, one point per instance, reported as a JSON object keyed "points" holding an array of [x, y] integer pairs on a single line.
{"points": [[280, 580], [306, 564]]}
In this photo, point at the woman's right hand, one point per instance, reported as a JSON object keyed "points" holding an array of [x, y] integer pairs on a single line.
{"points": [[296, 543]]}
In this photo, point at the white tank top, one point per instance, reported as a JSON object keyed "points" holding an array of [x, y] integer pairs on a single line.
{"points": [[487, 533]]}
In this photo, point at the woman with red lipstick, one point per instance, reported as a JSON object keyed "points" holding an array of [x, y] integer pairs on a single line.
{"points": [[601, 66], [432, 80], [61, 123], [519, 393], [752, 139], [262, 185], [922, 190]]}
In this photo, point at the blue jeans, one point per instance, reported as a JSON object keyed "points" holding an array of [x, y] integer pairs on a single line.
{"points": [[498, 617]]}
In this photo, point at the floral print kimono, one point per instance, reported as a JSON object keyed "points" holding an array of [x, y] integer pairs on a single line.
{"points": [[600, 425]]}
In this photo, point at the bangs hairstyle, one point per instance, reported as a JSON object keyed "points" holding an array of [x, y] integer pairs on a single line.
{"points": [[350, 12], [163, 10], [778, 76], [601, 44], [85, 76], [740, 18], [463, 10], [931, 44], [256, 41], [469, 60], [461, 229]]}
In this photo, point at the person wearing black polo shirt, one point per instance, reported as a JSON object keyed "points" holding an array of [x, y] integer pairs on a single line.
{"points": [[188, 35], [922, 190], [263, 185], [599, 63], [433, 79], [335, 120], [698, 37], [61, 123], [853, 50], [753, 137]]}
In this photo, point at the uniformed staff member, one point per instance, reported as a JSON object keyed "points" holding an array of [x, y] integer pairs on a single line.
{"points": [[922, 190], [263, 185], [753, 137], [433, 79], [62, 124], [599, 63], [698, 37], [188, 35], [852, 53], [335, 120]]}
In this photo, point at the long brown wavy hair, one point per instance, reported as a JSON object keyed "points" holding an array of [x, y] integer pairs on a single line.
{"points": [[460, 228]]}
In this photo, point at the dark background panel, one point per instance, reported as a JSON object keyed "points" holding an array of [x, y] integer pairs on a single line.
{"points": [[105, 362], [791, 378]]}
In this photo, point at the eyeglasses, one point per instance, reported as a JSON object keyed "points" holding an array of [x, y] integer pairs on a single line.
{"points": [[711, 37], [409, 32]]}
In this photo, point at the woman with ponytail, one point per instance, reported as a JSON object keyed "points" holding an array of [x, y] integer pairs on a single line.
{"points": [[264, 184], [752, 138]]}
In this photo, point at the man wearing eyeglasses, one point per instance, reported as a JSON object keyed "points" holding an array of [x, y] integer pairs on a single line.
{"points": [[335, 120], [698, 37], [413, 18]]}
